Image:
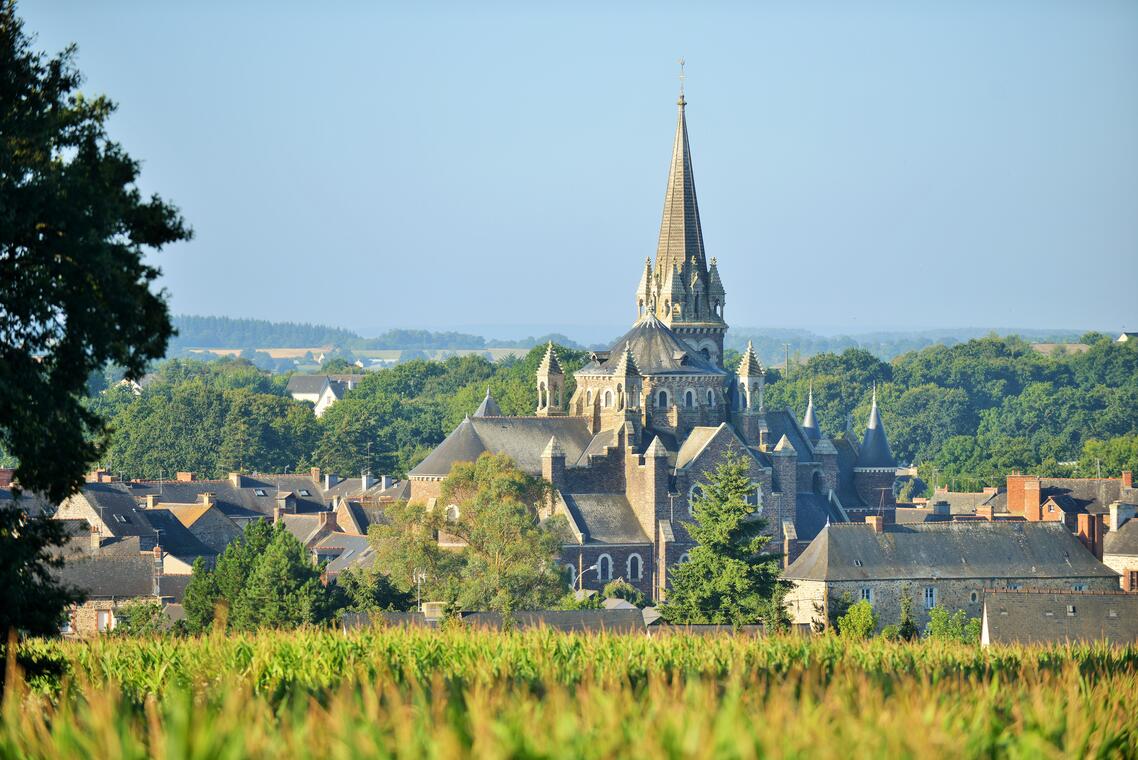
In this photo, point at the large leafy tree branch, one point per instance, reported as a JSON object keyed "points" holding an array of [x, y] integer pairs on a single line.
{"points": [[75, 292]]}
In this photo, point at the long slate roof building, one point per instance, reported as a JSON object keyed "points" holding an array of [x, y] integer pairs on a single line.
{"points": [[650, 416]]}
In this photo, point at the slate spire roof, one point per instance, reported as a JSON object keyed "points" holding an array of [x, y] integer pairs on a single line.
{"points": [[809, 424], [489, 407], [654, 349], [874, 451], [681, 237]]}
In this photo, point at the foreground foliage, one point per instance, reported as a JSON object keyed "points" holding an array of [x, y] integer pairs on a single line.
{"points": [[455, 693]]}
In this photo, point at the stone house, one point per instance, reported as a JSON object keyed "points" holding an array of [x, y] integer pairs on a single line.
{"points": [[1120, 546], [321, 390], [1036, 616], [949, 564], [111, 579], [652, 415]]}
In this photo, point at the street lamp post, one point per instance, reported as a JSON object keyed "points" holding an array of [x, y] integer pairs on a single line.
{"points": [[578, 576], [419, 577]]}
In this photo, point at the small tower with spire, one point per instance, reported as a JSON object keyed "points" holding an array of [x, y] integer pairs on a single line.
{"points": [[747, 403], [550, 385], [875, 469]]}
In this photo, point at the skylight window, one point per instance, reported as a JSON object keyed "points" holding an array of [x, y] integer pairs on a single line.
{"points": [[259, 491], [304, 492]]}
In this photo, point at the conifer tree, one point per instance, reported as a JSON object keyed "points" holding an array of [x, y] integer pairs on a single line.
{"points": [[731, 579]]}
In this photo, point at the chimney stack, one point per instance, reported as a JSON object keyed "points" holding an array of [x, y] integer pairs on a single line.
{"points": [[1120, 513], [278, 513], [314, 473], [184, 477], [385, 482], [96, 540], [151, 500], [1090, 533], [366, 481], [207, 499], [1127, 479], [330, 480], [877, 522]]}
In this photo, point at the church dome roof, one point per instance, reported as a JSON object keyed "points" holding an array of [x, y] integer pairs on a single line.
{"points": [[656, 349]]}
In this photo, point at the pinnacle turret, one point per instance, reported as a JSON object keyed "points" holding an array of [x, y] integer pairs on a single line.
{"points": [[809, 424], [874, 450]]}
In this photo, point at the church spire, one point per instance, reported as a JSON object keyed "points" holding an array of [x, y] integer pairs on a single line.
{"points": [[681, 237], [874, 450]]}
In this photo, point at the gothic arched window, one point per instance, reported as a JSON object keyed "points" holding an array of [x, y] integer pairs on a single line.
{"points": [[607, 402], [662, 399], [710, 397], [689, 398]]}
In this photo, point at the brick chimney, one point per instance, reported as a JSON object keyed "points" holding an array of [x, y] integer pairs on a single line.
{"points": [[278, 513], [326, 520], [1024, 497], [1090, 533], [184, 477], [877, 522], [1127, 479], [984, 512], [314, 473], [151, 500]]}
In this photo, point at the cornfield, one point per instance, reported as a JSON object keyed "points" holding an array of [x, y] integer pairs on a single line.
{"points": [[442, 694]]}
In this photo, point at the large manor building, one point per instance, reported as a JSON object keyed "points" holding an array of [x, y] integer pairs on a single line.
{"points": [[652, 415]]}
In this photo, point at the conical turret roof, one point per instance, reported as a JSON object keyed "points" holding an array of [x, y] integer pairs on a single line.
{"points": [[489, 407], [874, 450], [809, 424]]}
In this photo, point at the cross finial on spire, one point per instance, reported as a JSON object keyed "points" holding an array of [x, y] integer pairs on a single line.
{"points": [[683, 76]]}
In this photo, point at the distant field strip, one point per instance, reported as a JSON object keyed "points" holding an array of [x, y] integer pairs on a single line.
{"points": [[393, 693]]}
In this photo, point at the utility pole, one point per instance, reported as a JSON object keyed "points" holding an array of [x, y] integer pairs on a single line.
{"points": [[787, 364]]}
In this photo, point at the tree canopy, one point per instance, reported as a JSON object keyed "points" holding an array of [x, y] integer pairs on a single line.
{"points": [[75, 292]]}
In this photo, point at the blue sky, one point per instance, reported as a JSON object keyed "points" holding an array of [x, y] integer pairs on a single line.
{"points": [[500, 168]]}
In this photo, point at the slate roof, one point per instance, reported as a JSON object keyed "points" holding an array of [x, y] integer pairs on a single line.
{"points": [[350, 551], [812, 513], [175, 537], [105, 577], [306, 384], [1082, 495], [243, 501], [847, 458], [973, 549], [606, 518], [695, 443], [173, 586], [1055, 617], [874, 450], [781, 422], [657, 351], [521, 438], [962, 502], [1123, 541], [681, 237], [809, 424], [488, 408]]}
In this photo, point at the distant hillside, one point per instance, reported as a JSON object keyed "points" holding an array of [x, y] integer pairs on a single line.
{"points": [[770, 343], [226, 332]]}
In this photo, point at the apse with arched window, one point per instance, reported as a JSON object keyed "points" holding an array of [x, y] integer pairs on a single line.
{"points": [[635, 567]]}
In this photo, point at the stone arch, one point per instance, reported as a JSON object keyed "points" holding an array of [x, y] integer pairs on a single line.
{"points": [[662, 398], [606, 401], [604, 568], [635, 567], [689, 399], [710, 397]]}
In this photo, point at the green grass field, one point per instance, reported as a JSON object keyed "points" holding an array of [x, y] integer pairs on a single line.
{"points": [[390, 693]]}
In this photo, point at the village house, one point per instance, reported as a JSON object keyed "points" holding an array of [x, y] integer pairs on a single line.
{"points": [[948, 565], [321, 390], [652, 415], [1038, 616]]}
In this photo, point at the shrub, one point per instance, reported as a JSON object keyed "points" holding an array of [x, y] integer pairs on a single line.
{"points": [[859, 622]]}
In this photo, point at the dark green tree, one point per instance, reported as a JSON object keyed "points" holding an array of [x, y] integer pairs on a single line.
{"points": [[368, 590], [141, 619], [212, 590], [730, 578], [622, 589], [283, 588], [75, 293], [31, 600]]}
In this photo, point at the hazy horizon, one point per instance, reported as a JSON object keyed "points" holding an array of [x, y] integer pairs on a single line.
{"points": [[889, 167]]}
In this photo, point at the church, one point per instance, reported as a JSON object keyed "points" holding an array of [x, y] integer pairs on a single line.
{"points": [[652, 415]]}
